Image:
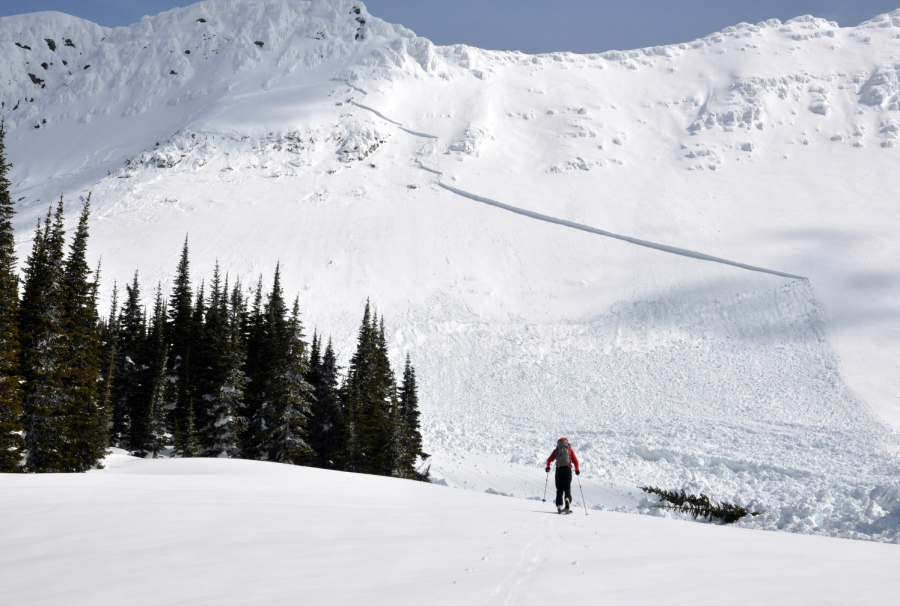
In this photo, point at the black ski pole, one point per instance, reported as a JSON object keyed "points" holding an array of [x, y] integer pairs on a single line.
{"points": [[583, 502], [544, 500]]}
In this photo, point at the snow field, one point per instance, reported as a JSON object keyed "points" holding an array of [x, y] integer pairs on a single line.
{"points": [[225, 532]]}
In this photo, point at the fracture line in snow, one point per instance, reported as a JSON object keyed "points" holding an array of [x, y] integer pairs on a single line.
{"points": [[664, 248], [383, 117], [351, 85], [521, 211]]}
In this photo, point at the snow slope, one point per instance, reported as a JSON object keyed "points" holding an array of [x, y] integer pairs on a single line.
{"points": [[214, 531], [321, 136]]}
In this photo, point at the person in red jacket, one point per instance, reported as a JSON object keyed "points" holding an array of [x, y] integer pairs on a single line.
{"points": [[565, 458]]}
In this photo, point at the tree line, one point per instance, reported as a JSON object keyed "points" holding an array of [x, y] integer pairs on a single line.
{"points": [[211, 373]]}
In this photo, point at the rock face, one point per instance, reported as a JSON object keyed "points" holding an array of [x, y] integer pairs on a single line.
{"points": [[317, 135]]}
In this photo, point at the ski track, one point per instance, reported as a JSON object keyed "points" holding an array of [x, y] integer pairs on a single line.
{"points": [[514, 587]]}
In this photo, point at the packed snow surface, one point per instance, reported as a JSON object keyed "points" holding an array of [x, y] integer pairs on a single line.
{"points": [[216, 531], [323, 137]]}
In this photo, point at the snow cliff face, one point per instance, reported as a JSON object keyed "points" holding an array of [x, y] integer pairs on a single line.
{"points": [[317, 135]]}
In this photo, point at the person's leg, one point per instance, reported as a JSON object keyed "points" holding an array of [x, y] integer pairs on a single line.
{"points": [[559, 479], [567, 485]]}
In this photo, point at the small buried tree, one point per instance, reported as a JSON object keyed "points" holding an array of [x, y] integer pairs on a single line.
{"points": [[698, 506]]}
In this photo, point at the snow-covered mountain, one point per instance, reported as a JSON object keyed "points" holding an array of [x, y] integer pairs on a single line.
{"points": [[345, 147]]}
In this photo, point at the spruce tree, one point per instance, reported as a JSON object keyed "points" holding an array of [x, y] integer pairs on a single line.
{"points": [[86, 433], [287, 394], [109, 343], [155, 434], [210, 331], [327, 423], [43, 361], [367, 397], [383, 388], [397, 441], [186, 442], [129, 393], [198, 372], [151, 397], [351, 456], [408, 407], [10, 391], [354, 398], [226, 371], [255, 369], [180, 338]]}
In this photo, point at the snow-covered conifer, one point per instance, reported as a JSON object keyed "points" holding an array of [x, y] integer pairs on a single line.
{"points": [[180, 331], [155, 438], [408, 406], [128, 391], [255, 368], [43, 358], [326, 424], [10, 392], [151, 397], [86, 436], [186, 442], [226, 379], [109, 343], [288, 396], [367, 397]]}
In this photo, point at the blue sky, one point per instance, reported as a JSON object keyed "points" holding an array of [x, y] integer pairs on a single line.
{"points": [[532, 26]]}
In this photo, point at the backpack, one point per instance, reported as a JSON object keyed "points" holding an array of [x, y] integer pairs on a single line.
{"points": [[562, 453]]}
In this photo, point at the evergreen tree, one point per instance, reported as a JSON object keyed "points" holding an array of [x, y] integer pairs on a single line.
{"points": [[383, 389], [255, 369], [151, 397], [352, 453], [287, 394], [155, 435], [226, 370], [128, 392], [367, 397], [109, 343], [199, 362], [186, 442], [315, 359], [180, 338], [353, 398], [86, 433], [210, 332], [327, 423], [408, 407], [397, 441], [43, 362], [10, 392]]}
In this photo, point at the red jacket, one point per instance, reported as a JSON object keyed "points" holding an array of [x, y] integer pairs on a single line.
{"points": [[572, 458]]}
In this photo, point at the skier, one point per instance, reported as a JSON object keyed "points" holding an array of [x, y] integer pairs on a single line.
{"points": [[564, 457]]}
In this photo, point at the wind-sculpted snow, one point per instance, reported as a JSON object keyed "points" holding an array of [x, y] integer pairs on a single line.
{"points": [[772, 143]]}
